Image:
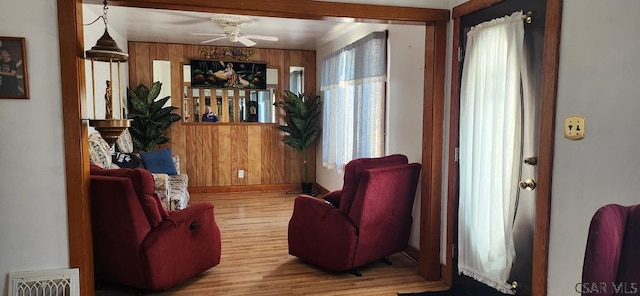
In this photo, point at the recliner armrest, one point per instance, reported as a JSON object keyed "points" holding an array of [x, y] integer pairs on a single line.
{"points": [[334, 198], [188, 214]]}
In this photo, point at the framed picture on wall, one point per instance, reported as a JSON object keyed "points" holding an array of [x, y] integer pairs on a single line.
{"points": [[228, 74], [13, 68]]}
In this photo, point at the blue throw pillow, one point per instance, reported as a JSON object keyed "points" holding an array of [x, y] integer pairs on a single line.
{"points": [[159, 161]]}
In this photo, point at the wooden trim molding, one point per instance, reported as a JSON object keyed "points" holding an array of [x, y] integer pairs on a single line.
{"points": [[302, 9], [323, 191], [550, 66], [452, 187], [413, 253], [432, 139], [75, 141], [245, 188], [472, 6]]}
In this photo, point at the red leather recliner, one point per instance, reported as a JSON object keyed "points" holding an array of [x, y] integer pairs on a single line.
{"points": [[369, 219], [137, 243], [611, 256]]}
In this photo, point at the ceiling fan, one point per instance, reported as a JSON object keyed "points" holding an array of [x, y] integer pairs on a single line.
{"points": [[231, 30]]}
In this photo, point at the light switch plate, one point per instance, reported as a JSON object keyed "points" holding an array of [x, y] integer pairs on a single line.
{"points": [[574, 127]]}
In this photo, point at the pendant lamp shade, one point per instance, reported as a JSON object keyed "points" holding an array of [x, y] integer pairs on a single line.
{"points": [[107, 50]]}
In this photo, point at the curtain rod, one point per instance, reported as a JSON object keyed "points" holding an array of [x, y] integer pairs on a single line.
{"points": [[528, 17]]}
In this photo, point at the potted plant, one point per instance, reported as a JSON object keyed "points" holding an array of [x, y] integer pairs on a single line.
{"points": [[303, 116], [150, 118]]}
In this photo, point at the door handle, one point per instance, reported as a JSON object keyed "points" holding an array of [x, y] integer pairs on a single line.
{"points": [[528, 184], [515, 287], [532, 160]]}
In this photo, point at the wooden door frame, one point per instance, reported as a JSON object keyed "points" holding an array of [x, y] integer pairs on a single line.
{"points": [[76, 151], [550, 60], [73, 100]]}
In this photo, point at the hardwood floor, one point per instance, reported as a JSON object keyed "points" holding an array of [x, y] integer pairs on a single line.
{"points": [[255, 259]]}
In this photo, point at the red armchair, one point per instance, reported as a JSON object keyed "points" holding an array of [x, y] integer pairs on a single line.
{"points": [[369, 219], [611, 256], [137, 243]]}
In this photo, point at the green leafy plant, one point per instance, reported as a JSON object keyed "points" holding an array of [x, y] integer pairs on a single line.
{"points": [[150, 118], [303, 118]]}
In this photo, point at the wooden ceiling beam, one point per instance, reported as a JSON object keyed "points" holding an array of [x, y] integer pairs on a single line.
{"points": [[300, 9]]}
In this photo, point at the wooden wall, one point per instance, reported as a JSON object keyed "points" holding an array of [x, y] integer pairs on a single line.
{"points": [[212, 153]]}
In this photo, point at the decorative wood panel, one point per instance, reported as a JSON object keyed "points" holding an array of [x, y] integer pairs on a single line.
{"points": [[205, 154], [242, 134], [177, 135], [212, 153], [224, 155], [254, 161], [143, 65], [235, 149]]}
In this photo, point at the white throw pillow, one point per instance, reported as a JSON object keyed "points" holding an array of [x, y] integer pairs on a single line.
{"points": [[99, 151], [124, 143]]}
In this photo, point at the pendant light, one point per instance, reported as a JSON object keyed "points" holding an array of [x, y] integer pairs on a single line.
{"points": [[106, 50]]}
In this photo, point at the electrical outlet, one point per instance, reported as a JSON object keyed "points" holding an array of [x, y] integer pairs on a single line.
{"points": [[240, 174], [574, 127]]}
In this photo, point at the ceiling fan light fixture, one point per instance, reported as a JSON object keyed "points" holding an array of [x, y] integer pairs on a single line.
{"points": [[231, 30], [230, 20]]}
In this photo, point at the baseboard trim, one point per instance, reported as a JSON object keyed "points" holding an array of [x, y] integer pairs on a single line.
{"points": [[244, 188], [413, 254], [322, 190]]}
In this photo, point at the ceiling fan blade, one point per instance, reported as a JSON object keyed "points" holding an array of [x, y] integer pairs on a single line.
{"points": [[244, 40], [260, 37], [214, 39]]}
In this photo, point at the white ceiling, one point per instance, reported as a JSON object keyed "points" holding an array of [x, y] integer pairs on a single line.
{"points": [[170, 26]]}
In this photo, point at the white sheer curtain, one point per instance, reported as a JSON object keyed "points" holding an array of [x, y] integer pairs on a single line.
{"points": [[490, 148], [353, 85]]}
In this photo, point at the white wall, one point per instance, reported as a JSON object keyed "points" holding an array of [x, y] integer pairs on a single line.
{"points": [[404, 99], [33, 214], [599, 74]]}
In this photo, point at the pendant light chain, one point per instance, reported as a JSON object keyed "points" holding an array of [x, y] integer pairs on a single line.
{"points": [[104, 14]]}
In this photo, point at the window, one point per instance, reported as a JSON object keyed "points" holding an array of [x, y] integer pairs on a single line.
{"points": [[354, 86]]}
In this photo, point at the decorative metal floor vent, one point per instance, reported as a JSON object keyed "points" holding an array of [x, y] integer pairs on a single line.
{"points": [[56, 282]]}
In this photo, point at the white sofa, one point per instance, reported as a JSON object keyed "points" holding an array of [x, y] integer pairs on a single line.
{"points": [[171, 189]]}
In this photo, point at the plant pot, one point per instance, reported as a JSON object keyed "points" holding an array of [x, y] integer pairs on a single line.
{"points": [[307, 188]]}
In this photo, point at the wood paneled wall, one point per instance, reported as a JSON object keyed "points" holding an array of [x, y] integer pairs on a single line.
{"points": [[212, 153]]}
